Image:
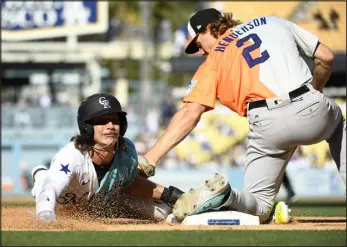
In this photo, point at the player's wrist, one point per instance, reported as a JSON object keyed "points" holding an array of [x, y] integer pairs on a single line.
{"points": [[42, 205], [170, 195], [46, 215], [151, 160]]}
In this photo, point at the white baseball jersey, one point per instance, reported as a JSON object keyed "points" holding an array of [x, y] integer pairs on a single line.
{"points": [[72, 178], [255, 60]]}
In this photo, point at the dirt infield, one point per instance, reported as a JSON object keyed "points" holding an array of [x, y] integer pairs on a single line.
{"points": [[18, 219]]}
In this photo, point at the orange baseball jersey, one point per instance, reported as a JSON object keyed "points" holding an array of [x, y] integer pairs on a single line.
{"points": [[255, 60]]}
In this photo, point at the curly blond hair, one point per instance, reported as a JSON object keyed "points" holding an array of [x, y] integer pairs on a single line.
{"points": [[220, 26]]}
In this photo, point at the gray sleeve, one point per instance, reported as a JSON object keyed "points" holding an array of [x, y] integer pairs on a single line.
{"points": [[306, 41]]}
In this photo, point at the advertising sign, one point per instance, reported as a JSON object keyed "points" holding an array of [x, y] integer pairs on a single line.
{"points": [[27, 20]]}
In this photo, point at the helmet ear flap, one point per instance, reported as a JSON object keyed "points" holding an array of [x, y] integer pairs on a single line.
{"points": [[123, 124], [86, 130], [89, 131]]}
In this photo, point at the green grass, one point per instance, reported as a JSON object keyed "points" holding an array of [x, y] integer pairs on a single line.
{"points": [[319, 209], [176, 238]]}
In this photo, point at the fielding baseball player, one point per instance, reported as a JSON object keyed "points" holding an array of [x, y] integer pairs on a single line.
{"points": [[256, 69], [97, 171]]}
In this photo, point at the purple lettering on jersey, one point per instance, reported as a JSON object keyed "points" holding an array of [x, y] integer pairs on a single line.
{"points": [[222, 44], [244, 29], [220, 48], [238, 32], [262, 20], [227, 39], [250, 25], [256, 22], [234, 35], [247, 50]]}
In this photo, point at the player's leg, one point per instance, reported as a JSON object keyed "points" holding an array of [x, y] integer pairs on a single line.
{"points": [[145, 199], [117, 204], [273, 134], [337, 145], [335, 127], [265, 166], [262, 180], [143, 208], [343, 155]]}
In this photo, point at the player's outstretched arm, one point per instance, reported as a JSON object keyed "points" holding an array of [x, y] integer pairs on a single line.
{"points": [[182, 123], [323, 61], [43, 192], [142, 187], [47, 187]]}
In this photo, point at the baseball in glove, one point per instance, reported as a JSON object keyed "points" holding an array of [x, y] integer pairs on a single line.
{"points": [[145, 169]]}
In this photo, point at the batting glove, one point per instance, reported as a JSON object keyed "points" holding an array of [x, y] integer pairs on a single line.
{"points": [[46, 216], [146, 169], [170, 195]]}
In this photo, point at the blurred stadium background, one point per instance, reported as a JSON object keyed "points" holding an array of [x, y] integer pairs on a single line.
{"points": [[55, 53]]}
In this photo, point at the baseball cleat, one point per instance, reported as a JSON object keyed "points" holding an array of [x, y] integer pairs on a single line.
{"points": [[281, 214], [209, 195]]}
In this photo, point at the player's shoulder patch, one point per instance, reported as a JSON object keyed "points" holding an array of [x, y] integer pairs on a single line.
{"points": [[192, 83]]}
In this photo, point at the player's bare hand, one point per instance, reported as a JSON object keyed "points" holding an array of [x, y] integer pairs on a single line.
{"points": [[145, 168]]}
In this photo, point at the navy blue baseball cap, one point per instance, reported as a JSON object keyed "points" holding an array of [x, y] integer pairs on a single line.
{"points": [[198, 23]]}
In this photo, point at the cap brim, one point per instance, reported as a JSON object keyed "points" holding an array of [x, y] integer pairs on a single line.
{"points": [[191, 47]]}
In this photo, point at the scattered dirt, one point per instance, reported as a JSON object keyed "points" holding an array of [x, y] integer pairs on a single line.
{"points": [[15, 218]]}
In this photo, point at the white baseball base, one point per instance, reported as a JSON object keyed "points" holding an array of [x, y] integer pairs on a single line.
{"points": [[218, 218]]}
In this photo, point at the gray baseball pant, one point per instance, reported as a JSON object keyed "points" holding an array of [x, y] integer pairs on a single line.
{"points": [[275, 133]]}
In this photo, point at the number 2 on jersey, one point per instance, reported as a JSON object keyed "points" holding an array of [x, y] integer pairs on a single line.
{"points": [[246, 51]]}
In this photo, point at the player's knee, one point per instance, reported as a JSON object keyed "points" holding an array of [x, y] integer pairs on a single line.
{"points": [[264, 208]]}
